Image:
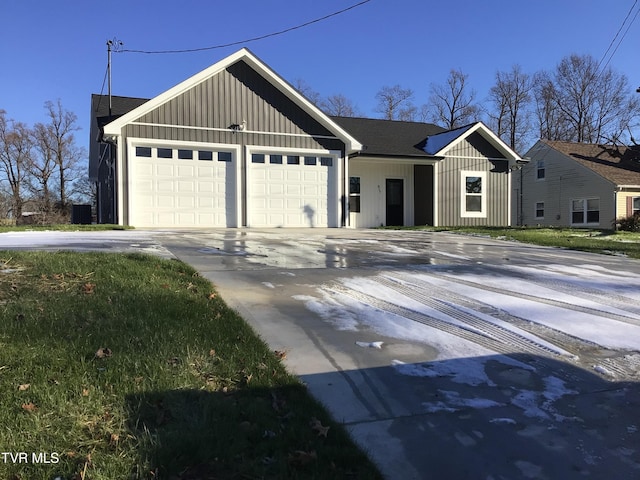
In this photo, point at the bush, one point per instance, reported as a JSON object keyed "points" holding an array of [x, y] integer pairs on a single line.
{"points": [[630, 223]]}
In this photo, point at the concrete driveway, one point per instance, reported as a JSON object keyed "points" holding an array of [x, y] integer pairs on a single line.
{"points": [[446, 356]]}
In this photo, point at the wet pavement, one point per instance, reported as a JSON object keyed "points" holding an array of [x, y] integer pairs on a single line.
{"points": [[446, 356]]}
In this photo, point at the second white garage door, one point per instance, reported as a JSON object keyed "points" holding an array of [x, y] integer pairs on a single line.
{"points": [[291, 191]]}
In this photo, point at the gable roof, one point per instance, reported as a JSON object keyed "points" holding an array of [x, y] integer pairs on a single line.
{"points": [[389, 138], [114, 127], [618, 164], [440, 144]]}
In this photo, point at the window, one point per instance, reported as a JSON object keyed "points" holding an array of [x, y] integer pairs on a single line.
{"points": [[474, 198], [539, 209], [585, 211], [257, 158], [354, 194], [635, 206], [143, 151], [326, 161], [293, 160], [165, 153], [275, 159], [205, 155], [310, 160], [224, 156], [540, 170], [185, 154]]}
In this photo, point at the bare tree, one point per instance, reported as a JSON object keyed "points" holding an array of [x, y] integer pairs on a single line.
{"points": [[309, 93], [340, 106], [66, 154], [396, 103], [15, 152], [511, 97], [42, 165], [453, 104], [581, 103]]}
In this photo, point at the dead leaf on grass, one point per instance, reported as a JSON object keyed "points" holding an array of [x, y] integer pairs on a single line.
{"points": [[85, 392], [300, 458], [212, 352], [89, 288], [29, 407], [104, 352], [212, 296], [317, 426], [24, 387], [114, 439], [281, 354]]}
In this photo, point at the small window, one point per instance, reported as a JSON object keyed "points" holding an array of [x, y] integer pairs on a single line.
{"points": [[635, 206], [354, 194], [257, 158], [275, 159], [310, 160], [165, 153], [540, 170], [205, 155], [539, 209], [185, 154], [593, 210], [326, 161], [293, 160], [474, 195], [224, 156], [143, 151]]}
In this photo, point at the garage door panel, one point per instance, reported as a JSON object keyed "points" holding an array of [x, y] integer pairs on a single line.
{"points": [[290, 195], [182, 192]]}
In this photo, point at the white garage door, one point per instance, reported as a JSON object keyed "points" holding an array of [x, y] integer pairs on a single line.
{"points": [[173, 187], [291, 191]]}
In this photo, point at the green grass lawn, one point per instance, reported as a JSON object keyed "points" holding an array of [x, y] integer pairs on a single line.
{"points": [[124, 366], [595, 241]]}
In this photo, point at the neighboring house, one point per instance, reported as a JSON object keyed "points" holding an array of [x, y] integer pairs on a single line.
{"points": [[577, 185], [236, 145]]}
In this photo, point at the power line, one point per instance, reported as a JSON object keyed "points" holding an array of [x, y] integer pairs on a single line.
{"points": [[616, 36], [254, 39]]}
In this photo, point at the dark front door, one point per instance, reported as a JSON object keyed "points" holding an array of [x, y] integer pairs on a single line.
{"points": [[395, 202]]}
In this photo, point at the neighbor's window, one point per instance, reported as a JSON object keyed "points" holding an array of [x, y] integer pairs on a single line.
{"points": [[539, 209], [540, 170], [635, 206], [585, 211], [354, 194], [143, 151], [165, 153], [474, 198]]}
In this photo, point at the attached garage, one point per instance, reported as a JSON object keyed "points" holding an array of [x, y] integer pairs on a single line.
{"points": [[182, 185], [292, 190]]}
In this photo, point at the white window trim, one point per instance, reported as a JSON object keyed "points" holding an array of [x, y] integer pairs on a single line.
{"points": [[535, 210], [585, 212], [463, 194], [544, 168]]}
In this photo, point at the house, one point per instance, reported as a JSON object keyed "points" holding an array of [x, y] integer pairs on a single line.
{"points": [[569, 184], [236, 145]]}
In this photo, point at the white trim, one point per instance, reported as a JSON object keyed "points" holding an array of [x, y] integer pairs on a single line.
{"points": [[115, 127], [238, 132], [436, 203], [535, 210], [464, 174], [585, 212], [488, 135]]}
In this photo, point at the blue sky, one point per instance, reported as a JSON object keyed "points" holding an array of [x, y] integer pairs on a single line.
{"points": [[53, 50]]}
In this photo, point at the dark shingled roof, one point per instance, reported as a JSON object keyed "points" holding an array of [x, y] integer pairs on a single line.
{"points": [[119, 106], [618, 164], [389, 137]]}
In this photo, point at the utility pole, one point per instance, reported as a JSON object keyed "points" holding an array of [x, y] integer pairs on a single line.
{"points": [[110, 45]]}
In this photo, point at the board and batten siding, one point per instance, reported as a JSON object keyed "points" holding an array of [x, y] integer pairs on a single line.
{"points": [[466, 157], [564, 180]]}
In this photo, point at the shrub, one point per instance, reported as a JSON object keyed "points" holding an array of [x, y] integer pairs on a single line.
{"points": [[630, 223]]}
